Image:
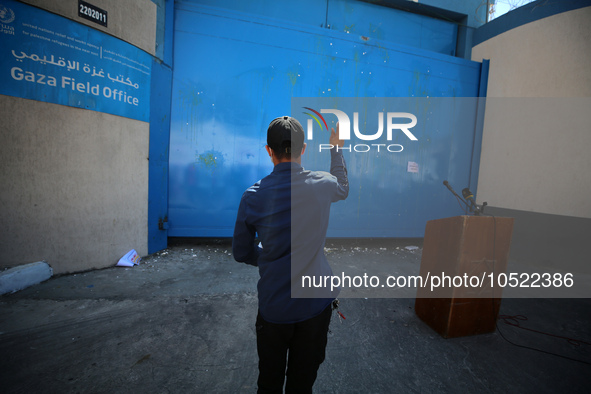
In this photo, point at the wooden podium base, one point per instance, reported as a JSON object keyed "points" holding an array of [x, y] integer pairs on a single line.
{"points": [[456, 251]]}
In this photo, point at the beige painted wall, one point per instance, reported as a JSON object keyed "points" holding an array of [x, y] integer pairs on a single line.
{"points": [[537, 128], [546, 58], [75, 185], [133, 21]]}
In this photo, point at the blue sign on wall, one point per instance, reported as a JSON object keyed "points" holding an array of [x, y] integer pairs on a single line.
{"points": [[49, 58]]}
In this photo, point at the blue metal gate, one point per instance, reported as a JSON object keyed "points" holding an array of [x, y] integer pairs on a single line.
{"points": [[236, 70]]}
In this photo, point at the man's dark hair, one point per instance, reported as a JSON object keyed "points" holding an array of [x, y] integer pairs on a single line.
{"points": [[285, 151]]}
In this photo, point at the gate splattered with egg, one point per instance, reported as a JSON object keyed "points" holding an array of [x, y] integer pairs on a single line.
{"points": [[234, 72]]}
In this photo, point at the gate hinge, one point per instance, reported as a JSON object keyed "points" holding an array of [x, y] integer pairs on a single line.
{"points": [[163, 223]]}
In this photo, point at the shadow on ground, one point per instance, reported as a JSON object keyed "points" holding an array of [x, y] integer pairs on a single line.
{"points": [[183, 322]]}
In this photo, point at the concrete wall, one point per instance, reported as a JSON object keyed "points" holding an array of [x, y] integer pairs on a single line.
{"points": [[535, 161], [75, 181], [133, 21], [549, 57], [77, 194]]}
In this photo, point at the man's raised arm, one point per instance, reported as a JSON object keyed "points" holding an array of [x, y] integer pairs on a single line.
{"points": [[338, 167]]}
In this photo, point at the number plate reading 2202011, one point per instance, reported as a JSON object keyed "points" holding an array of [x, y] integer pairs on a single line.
{"points": [[92, 13]]}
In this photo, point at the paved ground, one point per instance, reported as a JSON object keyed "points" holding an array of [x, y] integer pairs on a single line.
{"points": [[183, 322]]}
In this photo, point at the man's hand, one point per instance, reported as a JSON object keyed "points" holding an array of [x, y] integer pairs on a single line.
{"points": [[334, 138]]}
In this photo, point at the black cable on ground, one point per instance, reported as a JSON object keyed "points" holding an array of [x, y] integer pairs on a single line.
{"points": [[516, 318]]}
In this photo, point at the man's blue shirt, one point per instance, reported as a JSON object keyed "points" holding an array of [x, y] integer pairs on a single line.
{"points": [[289, 211]]}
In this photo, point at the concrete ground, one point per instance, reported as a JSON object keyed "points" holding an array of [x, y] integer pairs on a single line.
{"points": [[183, 322]]}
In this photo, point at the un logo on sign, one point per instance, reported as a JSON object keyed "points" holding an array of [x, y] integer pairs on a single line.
{"points": [[6, 14]]}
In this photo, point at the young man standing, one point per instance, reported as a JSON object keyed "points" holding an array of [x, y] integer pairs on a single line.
{"points": [[288, 210]]}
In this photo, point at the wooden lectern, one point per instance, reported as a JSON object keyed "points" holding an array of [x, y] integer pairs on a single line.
{"points": [[471, 251]]}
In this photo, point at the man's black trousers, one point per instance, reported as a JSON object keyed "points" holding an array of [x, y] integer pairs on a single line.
{"points": [[299, 347]]}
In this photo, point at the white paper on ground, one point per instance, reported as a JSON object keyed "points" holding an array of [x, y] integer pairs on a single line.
{"points": [[130, 259]]}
